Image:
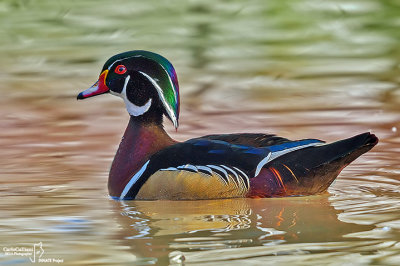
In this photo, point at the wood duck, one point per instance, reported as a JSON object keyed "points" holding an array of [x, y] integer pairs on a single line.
{"points": [[150, 165]]}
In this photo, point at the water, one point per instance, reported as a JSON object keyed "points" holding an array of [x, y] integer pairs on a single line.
{"points": [[293, 68]]}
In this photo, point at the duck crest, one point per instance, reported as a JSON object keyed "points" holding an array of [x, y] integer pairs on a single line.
{"points": [[150, 165]]}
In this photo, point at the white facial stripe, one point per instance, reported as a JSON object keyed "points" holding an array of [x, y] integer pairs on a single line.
{"points": [[125, 84], [169, 78], [170, 81], [137, 110], [164, 101], [169, 110], [133, 109], [119, 60]]}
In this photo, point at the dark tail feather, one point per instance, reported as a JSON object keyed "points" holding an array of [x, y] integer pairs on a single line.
{"points": [[310, 170]]}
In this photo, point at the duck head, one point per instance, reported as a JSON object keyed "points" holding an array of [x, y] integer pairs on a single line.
{"points": [[146, 81]]}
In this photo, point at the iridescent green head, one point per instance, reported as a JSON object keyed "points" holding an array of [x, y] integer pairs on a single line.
{"points": [[139, 77]]}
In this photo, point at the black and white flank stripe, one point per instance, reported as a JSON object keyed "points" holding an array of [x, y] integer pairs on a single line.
{"points": [[227, 174]]}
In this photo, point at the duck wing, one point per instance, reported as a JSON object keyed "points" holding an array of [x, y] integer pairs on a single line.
{"points": [[249, 139], [309, 171], [208, 156]]}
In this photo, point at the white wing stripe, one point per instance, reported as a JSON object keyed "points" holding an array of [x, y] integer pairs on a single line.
{"points": [[277, 154], [188, 166], [226, 178], [273, 155], [163, 100], [205, 168], [235, 175], [218, 168], [244, 176], [262, 163], [169, 169]]}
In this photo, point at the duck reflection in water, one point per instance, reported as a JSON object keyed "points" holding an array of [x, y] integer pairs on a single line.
{"points": [[242, 222]]}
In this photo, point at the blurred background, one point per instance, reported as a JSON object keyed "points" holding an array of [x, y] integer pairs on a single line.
{"points": [[298, 69]]}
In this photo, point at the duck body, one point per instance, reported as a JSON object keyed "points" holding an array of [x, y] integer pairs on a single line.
{"points": [[150, 165]]}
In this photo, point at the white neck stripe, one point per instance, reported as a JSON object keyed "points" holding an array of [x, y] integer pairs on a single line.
{"points": [[137, 110], [164, 101], [133, 109]]}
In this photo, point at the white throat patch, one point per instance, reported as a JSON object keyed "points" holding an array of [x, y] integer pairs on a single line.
{"points": [[133, 109]]}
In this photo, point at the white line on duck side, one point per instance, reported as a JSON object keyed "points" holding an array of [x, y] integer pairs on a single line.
{"points": [[226, 179], [277, 154], [188, 166], [169, 169], [133, 180], [244, 176], [262, 163], [205, 168], [239, 178], [235, 175], [273, 155]]}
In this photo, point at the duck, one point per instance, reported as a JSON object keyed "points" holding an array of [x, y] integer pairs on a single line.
{"points": [[150, 165]]}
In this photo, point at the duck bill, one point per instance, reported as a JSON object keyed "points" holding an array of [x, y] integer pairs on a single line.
{"points": [[98, 88]]}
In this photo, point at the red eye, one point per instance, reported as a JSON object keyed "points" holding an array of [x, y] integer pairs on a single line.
{"points": [[120, 69]]}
